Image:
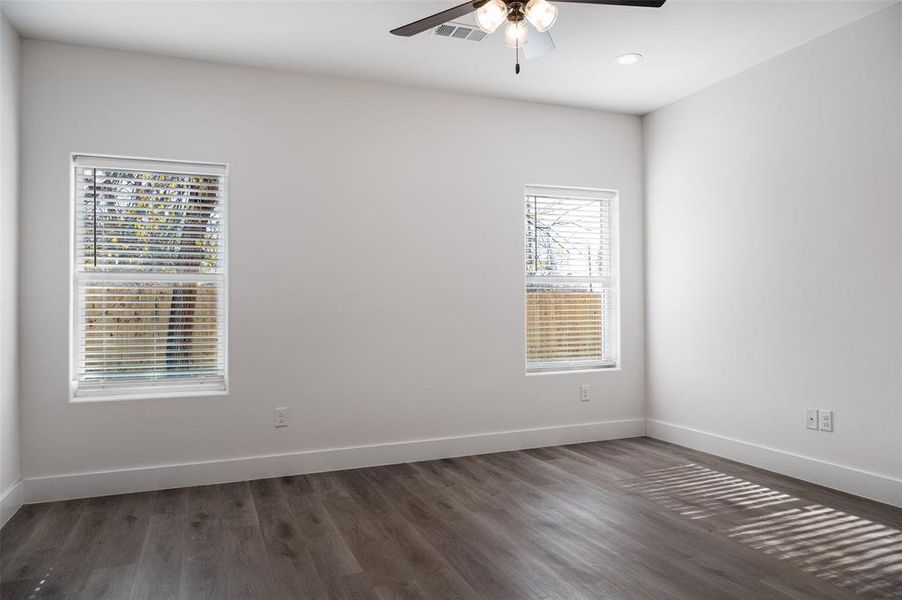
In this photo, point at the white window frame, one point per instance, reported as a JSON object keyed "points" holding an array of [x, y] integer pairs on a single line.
{"points": [[149, 390], [558, 367]]}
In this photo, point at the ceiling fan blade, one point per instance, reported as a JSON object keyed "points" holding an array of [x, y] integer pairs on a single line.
{"points": [[437, 19], [639, 3], [540, 44]]}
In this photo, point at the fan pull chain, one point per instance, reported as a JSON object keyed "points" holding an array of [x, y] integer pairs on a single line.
{"points": [[517, 66]]}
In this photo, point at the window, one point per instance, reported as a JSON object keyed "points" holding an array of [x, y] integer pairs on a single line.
{"points": [[149, 281], [571, 279]]}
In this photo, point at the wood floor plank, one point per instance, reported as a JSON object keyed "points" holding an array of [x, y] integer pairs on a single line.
{"points": [[392, 570], [20, 589], [293, 569], [430, 569], [237, 505], [356, 586], [170, 502], [490, 563], [544, 536], [575, 512], [114, 571], [159, 571], [39, 552], [327, 548], [626, 519], [77, 557], [20, 527], [203, 571], [247, 571]]}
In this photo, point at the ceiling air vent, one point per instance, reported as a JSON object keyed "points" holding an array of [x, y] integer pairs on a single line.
{"points": [[461, 32], [444, 30]]}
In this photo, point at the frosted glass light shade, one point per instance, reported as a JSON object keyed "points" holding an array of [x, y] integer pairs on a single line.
{"points": [[541, 13], [491, 14], [515, 34]]}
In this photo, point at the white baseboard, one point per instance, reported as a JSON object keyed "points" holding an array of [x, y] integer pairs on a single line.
{"points": [[847, 479], [10, 502], [102, 483]]}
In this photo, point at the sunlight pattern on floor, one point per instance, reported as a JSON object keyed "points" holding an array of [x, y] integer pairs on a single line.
{"points": [[857, 554], [699, 493]]}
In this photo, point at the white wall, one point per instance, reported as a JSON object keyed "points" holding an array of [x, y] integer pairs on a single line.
{"points": [[774, 258], [376, 259], [9, 175]]}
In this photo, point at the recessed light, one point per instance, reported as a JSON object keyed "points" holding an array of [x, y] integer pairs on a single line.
{"points": [[629, 59]]}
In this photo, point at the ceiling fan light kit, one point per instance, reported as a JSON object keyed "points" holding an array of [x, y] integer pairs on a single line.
{"points": [[490, 14]]}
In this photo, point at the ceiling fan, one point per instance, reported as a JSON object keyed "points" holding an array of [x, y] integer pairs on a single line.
{"points": [[490, 14]]}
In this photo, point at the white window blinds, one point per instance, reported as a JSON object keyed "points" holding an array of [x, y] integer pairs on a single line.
{"points": [[571, 279], [149, 277]]}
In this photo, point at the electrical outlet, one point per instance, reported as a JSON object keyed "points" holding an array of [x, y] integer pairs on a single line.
{"points": [[584, 392], [280, 417], [826, 420], [811, 419]]}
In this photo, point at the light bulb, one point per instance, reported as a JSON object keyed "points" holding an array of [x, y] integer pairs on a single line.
{"points": [[541, 13], [491, 14], [515, 34]]}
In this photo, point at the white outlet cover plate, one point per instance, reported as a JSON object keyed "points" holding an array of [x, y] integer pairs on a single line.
{"points": [[826, 420], [811, 418]]}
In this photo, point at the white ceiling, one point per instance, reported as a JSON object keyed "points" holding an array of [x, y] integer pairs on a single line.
{"points": [[688, 44]]}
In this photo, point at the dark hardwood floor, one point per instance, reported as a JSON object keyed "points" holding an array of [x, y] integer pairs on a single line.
{"points": [[626, 519]]}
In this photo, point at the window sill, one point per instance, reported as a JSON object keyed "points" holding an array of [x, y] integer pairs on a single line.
{"points": [[574, 371], [149, 395]]}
